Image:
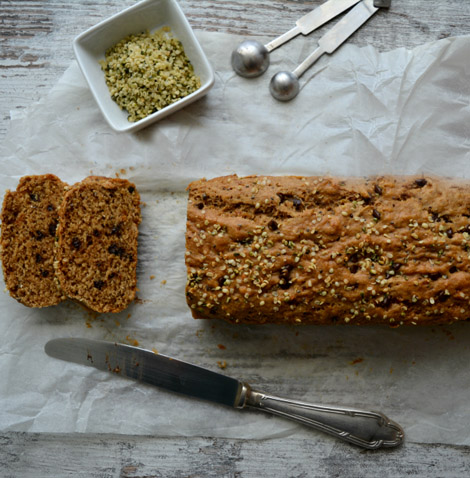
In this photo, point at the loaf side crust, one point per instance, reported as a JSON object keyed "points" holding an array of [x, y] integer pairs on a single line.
{"points": [[96, 257], [296, 250], [29, 222]]}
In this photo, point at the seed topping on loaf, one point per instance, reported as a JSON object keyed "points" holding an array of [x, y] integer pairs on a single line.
{"points": [[392, 250]]}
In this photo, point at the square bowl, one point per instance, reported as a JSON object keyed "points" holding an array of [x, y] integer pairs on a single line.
{"points": [[90, 47]]}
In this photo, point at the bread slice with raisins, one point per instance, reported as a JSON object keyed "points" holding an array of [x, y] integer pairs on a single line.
{"points": [[29, 221], [96, 255]]}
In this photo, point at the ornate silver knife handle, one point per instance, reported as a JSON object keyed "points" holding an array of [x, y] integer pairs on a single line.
{"points": [[363, 428]]}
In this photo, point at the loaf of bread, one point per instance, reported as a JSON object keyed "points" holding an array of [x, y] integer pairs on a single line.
{"points": [[29, 222], [297, 250], [96, 256]]}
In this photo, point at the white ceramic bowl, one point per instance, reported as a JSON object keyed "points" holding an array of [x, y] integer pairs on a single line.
{"points": [[90, 48]]}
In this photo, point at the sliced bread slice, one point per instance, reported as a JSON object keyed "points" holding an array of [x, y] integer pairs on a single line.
{"points": [[96, 256], [29, 221]]}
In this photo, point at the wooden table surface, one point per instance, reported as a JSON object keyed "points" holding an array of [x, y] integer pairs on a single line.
{"points": [[36, 48]]}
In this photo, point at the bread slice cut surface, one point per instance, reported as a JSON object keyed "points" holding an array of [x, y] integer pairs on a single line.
{"points": [[29, 223], [96, 260]]}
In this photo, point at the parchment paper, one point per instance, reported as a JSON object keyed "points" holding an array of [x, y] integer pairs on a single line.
{"points": [[360, 112]]}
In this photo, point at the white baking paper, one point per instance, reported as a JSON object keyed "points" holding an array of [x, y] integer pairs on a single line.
{"points": [[359, 112]]}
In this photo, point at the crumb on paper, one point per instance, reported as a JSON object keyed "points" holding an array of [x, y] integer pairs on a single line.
{"points": [[152, 277], [118, 324], [132, 341], [90, 317], [222, 347], [449, 334], [357, 360], [163, 282], [222, 364], [155, 351]]}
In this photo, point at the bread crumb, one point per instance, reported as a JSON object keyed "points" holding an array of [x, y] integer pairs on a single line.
{"points": [[355, 361], [163, 282], [222, 347], [222, 364], [132, 341], [152, 277]]}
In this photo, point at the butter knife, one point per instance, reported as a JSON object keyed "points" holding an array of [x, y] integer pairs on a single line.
{"points": [[363, 428]]}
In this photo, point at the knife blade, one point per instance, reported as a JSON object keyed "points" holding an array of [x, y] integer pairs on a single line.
{"points": [[347, 26], [335, 37], [322, 14], [313, 20], [363, 428], [147, 366]]}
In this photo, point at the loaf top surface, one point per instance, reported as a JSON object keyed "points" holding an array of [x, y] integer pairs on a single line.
{"points": [[392, 250], [29, 222], [96, 255]]}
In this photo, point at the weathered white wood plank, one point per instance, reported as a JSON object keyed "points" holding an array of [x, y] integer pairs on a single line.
{"points": [[118, 456]]}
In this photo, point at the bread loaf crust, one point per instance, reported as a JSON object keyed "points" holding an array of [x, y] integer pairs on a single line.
{"points": [[29, 222], [295, 250], [96, 257]]}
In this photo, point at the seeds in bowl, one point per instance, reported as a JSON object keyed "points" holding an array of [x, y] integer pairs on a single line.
{"points": [[148, 71]]}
